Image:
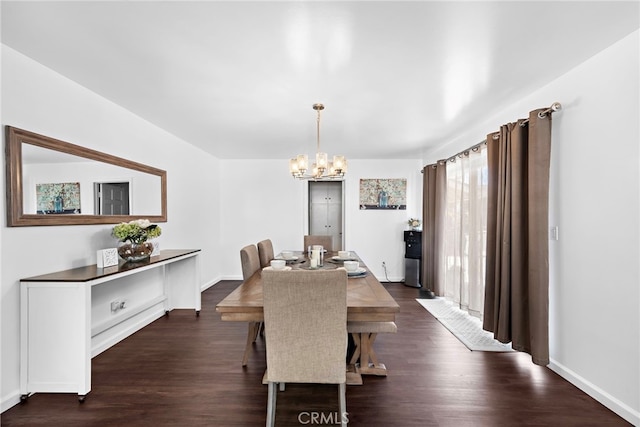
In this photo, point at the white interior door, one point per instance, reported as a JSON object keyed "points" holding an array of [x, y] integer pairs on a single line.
{"points": [[325, 210]]}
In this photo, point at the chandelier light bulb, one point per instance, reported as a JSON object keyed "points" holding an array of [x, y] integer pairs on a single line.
{"points": [[321, 160], [293, 167]]}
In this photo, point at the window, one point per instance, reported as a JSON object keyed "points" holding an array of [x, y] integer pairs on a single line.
{"points": [[466, 230]]}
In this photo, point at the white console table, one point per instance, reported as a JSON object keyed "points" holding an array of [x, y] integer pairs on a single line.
{"points": [[59, 319]]}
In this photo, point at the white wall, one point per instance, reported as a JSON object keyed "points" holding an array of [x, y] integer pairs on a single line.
{"points": [[261, 200], [595, 195], [377, 235], [37, 99]]}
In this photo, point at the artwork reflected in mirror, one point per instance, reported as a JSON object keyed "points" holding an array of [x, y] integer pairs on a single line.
{"points": [[60, 198], [52, 182]]}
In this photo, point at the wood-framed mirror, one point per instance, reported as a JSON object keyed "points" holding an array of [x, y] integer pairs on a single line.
{"points": [[52, 182]]}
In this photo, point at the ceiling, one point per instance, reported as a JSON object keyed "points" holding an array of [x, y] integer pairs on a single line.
{"points": [[239, 79]]}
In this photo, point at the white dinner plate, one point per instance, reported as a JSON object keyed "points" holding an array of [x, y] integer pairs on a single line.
{"points": [[286, 268], [337, 258], [359, 272], [293, 258]]}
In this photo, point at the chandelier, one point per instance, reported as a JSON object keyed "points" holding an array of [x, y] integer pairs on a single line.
{"points": [[322, 168]]}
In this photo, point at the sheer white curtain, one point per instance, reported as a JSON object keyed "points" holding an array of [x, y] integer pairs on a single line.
{"points": [[466, 230]]}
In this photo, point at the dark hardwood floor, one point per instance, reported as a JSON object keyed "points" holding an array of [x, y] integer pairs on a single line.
{"points": [[184, 370]]}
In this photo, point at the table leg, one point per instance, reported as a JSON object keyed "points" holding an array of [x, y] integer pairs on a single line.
{"points": [[369, 364], [356, 351]]}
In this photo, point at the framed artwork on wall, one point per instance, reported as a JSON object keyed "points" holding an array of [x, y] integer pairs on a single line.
{"points": [[388, 194], [58, 198]]}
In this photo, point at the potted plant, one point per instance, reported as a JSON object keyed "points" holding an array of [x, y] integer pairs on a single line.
{"points": [[415, 224], [133, 237]]}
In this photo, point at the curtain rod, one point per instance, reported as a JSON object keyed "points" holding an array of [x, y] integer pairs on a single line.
{"points": [[460, 154], [542, 114], [556, 106]]}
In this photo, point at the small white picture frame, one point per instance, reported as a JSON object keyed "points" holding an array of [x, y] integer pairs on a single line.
{"points": [[107, 257]]}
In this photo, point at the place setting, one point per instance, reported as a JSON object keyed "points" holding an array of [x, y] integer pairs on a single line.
{"points": [[342, 257], [353, 269], [278, 265], [288, 257]]}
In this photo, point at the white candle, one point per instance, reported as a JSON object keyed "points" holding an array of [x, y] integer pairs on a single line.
{"points": [[314, 262]]}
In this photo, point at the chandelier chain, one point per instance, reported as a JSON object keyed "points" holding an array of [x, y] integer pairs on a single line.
{"points": [[318, 130]]}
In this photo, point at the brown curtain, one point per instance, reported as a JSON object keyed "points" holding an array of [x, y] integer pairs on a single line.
{"points": [[434, 185], [516, 307]]}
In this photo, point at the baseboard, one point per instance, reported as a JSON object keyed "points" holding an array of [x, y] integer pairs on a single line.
{"points": [[209, 284], [10, 401], [623, 410], [385, 279]]}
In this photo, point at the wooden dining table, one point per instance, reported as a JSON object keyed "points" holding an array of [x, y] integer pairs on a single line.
{"points": [[367, 301]]}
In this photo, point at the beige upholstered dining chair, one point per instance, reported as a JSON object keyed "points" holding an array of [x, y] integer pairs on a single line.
{"points": [[325, 241], [250, 261], [265, 251], [305, 320]]}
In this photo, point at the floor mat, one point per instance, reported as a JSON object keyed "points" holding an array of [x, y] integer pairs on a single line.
{"points": [[466, 328]]}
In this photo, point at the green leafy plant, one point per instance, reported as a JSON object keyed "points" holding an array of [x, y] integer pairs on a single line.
{"points": [[137, 231]]}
